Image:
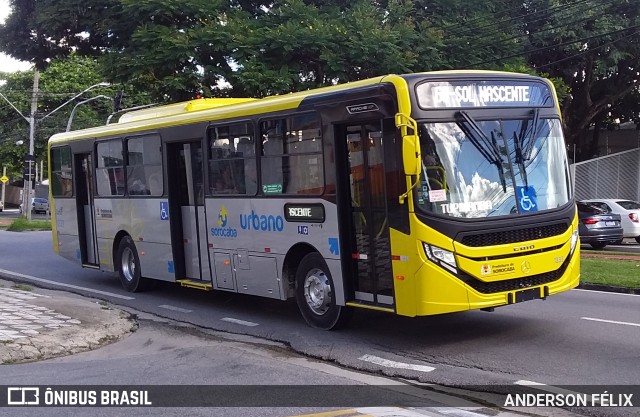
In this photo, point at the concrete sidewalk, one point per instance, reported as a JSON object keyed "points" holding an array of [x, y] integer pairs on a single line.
{"points": [[37, 324]]}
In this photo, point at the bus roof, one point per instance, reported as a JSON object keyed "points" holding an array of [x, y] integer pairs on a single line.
{"points": [[203, 110], [179, 108]]}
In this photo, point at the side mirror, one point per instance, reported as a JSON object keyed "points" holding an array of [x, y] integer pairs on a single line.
{"points": [[411, 154]]}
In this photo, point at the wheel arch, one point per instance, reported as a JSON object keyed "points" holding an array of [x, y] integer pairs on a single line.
{"points": [[114, 249], [290, 264]]}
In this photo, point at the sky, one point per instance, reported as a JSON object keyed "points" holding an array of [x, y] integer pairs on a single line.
{"points": [[8, 64]]}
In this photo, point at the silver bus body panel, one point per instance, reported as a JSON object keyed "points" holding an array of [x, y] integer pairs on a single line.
{"points": [[141, 219], [245, 240], [251, 237], [260, 278], [66, 218]]}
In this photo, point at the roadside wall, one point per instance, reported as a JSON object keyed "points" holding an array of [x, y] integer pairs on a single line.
{"points": [[612, 176]]}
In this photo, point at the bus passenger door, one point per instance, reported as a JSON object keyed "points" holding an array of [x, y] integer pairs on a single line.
{"points": [[186, 200], [366, 246], [85, 193]]}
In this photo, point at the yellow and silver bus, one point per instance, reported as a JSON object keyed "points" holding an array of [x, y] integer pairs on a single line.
{"points": [[413, 194]]}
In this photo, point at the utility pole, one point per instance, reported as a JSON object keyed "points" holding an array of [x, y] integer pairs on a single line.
{"points": [[4, 174], [30, 163]]}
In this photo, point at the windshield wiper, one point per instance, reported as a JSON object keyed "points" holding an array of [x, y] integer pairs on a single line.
{"points": [[534, 131], [523, 153], [518, 141], [487, 147]]}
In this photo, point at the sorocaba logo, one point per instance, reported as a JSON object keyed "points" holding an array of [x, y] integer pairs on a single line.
{"points": [[222, 217], [222, 230]]}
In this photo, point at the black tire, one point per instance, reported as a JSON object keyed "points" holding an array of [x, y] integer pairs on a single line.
{"points": [[598, 245], [128, 264], [315, 295], [638, 239], [618, 242]]}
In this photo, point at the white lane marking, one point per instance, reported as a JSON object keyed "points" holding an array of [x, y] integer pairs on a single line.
{"points": [[403, 412], [544, 387], [607, 292], [241, 322], [626, 323], [458, 412], [552, 389], [61, 284], [173, 308], [393, 364], [527, 383]]}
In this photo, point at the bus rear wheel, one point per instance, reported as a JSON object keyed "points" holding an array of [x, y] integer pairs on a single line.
{"points": [[128, 264], [315, 294]]}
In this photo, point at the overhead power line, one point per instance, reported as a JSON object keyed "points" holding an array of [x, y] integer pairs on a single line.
{"points": [[553, 46], [562, 24], [465, 25], [587, 51]]}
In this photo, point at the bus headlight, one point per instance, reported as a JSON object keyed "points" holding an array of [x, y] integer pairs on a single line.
{"points": [[574, 241], [442, 257]]}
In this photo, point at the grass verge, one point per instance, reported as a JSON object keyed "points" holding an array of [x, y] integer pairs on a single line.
{"points": [[21, 225], [612, 272]]}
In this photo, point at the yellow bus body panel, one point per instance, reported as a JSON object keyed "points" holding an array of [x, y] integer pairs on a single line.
{"points": [[425, 288]]}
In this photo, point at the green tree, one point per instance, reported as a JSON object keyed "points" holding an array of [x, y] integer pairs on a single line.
{"points": [[39, 31], [177, 50], [593, 47]]}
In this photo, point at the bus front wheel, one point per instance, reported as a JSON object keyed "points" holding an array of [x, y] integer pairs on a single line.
{"points": [[128, 264], [315, 294]]}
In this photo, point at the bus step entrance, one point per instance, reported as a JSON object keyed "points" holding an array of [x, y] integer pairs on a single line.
{"points": [[199, 285], [360, 304]]}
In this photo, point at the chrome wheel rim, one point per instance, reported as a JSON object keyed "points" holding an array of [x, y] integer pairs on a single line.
{"points": [[128, 264], [317, 291]]}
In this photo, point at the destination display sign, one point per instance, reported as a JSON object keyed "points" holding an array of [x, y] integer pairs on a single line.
{"points": [[494, 93], [309, 213]]}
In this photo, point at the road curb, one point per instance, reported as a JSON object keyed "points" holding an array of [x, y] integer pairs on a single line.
{"points": [[38, 324], [609, 288]]}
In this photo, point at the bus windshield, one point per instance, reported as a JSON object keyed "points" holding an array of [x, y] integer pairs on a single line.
{"points": [[484, 168]]}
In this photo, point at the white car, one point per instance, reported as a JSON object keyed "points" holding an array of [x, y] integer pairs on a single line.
{"points": [[629, 212], [38, 205]]}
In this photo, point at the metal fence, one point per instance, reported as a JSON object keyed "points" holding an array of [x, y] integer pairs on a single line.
{"points": [[611, 176]]}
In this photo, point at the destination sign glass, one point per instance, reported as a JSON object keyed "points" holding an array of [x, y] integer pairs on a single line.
{"points": [[493, 93], [310, 213]]}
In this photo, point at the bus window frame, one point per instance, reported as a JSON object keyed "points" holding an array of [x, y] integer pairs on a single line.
{"points": [[125, 151], [207, 147], [95, 167], [73, 187], [260, 155]]}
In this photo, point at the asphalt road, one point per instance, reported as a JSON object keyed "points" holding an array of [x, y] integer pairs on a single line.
{"points": [[576, 338], [186, 363]]}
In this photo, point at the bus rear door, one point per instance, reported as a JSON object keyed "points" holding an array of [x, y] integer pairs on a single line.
{"points": [[85, 192], [186, 200]]}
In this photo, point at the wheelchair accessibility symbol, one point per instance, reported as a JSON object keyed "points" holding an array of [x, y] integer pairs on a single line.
{"points": [[164, 210], [527, 198]]}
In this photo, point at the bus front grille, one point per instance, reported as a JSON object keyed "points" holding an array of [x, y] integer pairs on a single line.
{"points": [[515, 283], [514, 235]]}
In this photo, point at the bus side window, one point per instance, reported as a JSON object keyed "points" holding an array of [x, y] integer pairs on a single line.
{"points": [[231, 149], [272, 175], [144, 165]]}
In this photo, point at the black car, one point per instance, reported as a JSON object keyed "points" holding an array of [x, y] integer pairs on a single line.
{"points": [[597, 226]]}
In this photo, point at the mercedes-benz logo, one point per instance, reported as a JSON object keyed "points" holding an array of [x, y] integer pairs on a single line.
{"points": [[525, 266]]}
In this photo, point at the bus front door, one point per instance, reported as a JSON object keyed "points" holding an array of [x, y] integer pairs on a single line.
{"points": [[85, 193], [367, 253], [186, 199]]}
